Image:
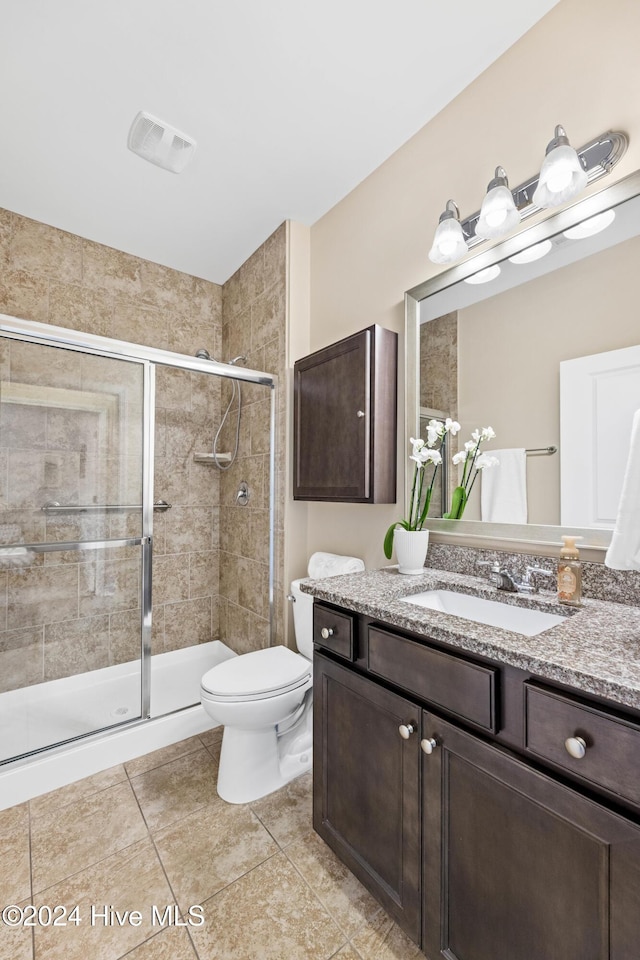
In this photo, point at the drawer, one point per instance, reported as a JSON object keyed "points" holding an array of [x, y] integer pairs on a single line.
{"points": [[611, 745], [459, 686], [333, 631]]}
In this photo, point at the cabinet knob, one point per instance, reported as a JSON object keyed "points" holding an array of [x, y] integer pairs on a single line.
{"points": [[360, 414], [326, 632], [575, 747], [428, 746], [406, 729]]}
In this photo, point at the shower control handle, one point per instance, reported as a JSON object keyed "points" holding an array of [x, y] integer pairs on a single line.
{"points": [[326, 632]]}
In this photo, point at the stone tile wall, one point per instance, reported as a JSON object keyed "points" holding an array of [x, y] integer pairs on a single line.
{"points": [[65, 613], [439, 387], [254, 325]]}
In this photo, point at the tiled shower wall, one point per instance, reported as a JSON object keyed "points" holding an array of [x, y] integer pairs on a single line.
{"points": [[439, 386], [55, 277], [254, 325]]}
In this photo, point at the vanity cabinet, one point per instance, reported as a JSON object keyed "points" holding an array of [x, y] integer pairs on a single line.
{"points": [[367, 786], [518, 865], [471, 835], [345, 413]]}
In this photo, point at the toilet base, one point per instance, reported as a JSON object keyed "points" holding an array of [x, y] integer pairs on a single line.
{"points": [[251, 767]]}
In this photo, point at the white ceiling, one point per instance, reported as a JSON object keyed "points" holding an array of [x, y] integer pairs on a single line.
{"points": [[292, 104]]}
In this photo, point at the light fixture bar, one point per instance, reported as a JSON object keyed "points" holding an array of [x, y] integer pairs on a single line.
{"points": [[598, 157]]}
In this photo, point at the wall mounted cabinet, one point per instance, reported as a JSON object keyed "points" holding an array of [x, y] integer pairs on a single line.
{"points": [[345, 420]]}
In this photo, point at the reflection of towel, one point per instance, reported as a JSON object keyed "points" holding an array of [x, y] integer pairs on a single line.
{"points": [[624, 552], [504, 488], [331, 564]]}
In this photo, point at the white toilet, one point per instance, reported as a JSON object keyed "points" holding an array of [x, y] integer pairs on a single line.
{"points": [[264, 700]]}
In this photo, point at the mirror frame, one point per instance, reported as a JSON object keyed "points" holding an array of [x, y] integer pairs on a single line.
{"points": [[522, 538]]}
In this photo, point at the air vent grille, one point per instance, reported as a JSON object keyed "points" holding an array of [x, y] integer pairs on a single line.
{"points": [[159, 143]]}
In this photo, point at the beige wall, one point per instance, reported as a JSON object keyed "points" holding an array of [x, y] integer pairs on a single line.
{"points": [[510, 347], [578, 66]]}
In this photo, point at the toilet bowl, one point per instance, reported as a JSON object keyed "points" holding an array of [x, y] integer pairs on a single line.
{"points": [[264, 700]]}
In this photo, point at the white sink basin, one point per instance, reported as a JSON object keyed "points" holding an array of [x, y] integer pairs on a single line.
{"points": [[518, 619]]}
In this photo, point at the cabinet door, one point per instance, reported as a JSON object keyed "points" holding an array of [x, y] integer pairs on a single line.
{"points": [[345, 420], [518, 866], [367, 786]]}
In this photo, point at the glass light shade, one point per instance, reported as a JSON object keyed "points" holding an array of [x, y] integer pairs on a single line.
{"points": [[562, 177], [449, 243], [588, 228], [536, 252], [484, 276], [498, 214]]}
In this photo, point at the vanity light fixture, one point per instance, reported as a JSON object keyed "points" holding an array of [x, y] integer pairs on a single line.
{"points": [[529, 254], [449, 243], [484, 276], [498, 214], [558, 181], [589, 228], [562, 175]]}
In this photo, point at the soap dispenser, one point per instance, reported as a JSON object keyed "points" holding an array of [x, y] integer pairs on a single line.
{"points": [[570, 573]]}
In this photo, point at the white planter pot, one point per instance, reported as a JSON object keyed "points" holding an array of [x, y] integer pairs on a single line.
{"points": [[411, 549]]}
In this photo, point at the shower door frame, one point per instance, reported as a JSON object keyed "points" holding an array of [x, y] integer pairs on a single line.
{"points": [[31, 331]]}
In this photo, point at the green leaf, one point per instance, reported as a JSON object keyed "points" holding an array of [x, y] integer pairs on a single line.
{"points": [[388, 540], [458, 503]]}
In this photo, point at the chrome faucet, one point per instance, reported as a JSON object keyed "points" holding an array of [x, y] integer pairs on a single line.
{"points": [[510, 582]]}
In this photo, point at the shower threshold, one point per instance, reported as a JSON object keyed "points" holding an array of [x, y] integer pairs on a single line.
{"points": [[60, 710]]}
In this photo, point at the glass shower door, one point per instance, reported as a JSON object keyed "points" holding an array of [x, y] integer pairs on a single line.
{"points": [[73, 557]]}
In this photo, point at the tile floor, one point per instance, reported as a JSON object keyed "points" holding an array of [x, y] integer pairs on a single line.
{"points": [[154, 833]]}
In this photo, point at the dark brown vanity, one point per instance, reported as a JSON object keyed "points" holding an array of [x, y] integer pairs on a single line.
{"points": [[492, 810]]}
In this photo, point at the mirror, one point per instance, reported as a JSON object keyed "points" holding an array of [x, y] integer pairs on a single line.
{"points": [[506, 353]]}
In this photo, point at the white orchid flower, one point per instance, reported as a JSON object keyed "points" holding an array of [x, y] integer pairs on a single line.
{"points": [[433, 456], [420, 452], [460, 457], [435, 432], [488, 433], [451, 426], [470, 446]]}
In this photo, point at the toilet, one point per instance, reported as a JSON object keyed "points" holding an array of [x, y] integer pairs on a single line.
{"points": [[264, 700]]}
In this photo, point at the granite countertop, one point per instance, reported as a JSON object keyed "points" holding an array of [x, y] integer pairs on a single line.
{"points": [[596, 649]]}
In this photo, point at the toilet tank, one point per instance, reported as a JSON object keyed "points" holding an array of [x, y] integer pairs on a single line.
{"points": [[303, 619]]}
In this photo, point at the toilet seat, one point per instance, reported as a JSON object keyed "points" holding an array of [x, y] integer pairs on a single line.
{"points": [[257, 675]]}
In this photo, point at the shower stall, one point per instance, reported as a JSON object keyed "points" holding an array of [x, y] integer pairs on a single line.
{"points": [[110, 525]]}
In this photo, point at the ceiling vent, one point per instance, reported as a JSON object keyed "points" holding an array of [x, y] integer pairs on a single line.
{"points": [[159, 143]]}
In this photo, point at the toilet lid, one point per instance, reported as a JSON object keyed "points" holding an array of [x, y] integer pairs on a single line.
{"points": [[256, 674]]}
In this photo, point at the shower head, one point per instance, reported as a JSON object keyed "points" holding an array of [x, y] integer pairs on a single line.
{"points": [[203, 354]]}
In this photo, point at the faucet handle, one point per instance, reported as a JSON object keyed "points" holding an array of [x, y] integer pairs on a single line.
{"points": [[531, 571]]}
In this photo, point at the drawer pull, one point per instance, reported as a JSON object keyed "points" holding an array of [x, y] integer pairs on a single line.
{"points": [[428, 746], [406, 729], [326, 632], [575, 747]]}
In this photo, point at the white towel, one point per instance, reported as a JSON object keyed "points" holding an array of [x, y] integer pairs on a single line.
{"points": [[624, 552], [332, 564], [504, 488]]}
